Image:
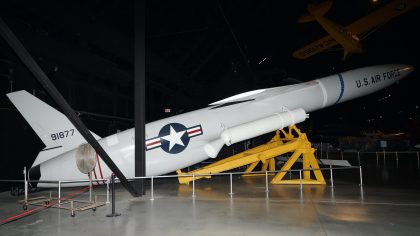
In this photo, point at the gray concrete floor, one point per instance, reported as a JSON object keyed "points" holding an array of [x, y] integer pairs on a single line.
{"points": [[345, 209]]}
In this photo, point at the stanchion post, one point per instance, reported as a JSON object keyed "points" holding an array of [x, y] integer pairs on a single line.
{"points": [[266, 181], [59, 192], [73, 213], [361, 177], [113, 213], [107, 191], [90, 187], [193, 193], [331, 177], [231, 185], [358, 157], [25, 179], [151, 189], [300, 179]]}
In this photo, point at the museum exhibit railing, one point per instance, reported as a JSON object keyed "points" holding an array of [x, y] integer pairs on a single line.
{"points": [[379, 159], [370, 158], [95, 182]]}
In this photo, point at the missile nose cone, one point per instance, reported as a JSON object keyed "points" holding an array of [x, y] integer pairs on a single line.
{"points": [[405, 70]]}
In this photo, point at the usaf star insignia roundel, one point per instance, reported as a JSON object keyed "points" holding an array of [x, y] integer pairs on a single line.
{"points": [[173, 138]]}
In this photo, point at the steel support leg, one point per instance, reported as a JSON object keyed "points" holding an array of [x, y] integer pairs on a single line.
{"points": [[113, 213]]}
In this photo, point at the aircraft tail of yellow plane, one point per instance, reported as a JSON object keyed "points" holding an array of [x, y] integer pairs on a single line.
{"points": [[316, 10]]}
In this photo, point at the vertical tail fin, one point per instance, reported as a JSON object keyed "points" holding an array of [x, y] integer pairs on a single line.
{"points": [[52, 127]]}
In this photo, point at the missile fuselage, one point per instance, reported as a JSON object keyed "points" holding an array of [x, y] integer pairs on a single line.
{"points": [[183, 140]]}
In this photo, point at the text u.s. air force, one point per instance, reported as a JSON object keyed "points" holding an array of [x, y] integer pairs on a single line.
{"points": [[378, 78]]}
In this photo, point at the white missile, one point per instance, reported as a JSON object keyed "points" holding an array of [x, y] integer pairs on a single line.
{"points": [[180, 141]]}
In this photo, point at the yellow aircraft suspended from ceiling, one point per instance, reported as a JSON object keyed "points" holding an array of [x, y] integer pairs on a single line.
{"points": [[349, 37]]}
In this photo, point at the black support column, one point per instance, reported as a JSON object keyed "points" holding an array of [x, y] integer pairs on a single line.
{"points": [[43, 79], [139, 95]]}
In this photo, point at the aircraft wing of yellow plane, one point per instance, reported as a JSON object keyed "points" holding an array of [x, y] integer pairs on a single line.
{"points": [[363, 25]]}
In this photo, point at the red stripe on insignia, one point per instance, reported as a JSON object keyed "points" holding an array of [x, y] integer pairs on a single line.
{"points": [[194, 131], [155, 142]]}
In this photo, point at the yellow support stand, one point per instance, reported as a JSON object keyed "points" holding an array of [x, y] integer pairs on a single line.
{"points": [[283, 142], [309, 162]]}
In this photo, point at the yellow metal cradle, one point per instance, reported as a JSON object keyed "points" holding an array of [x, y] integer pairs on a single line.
{"points": [[292, 141]]}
